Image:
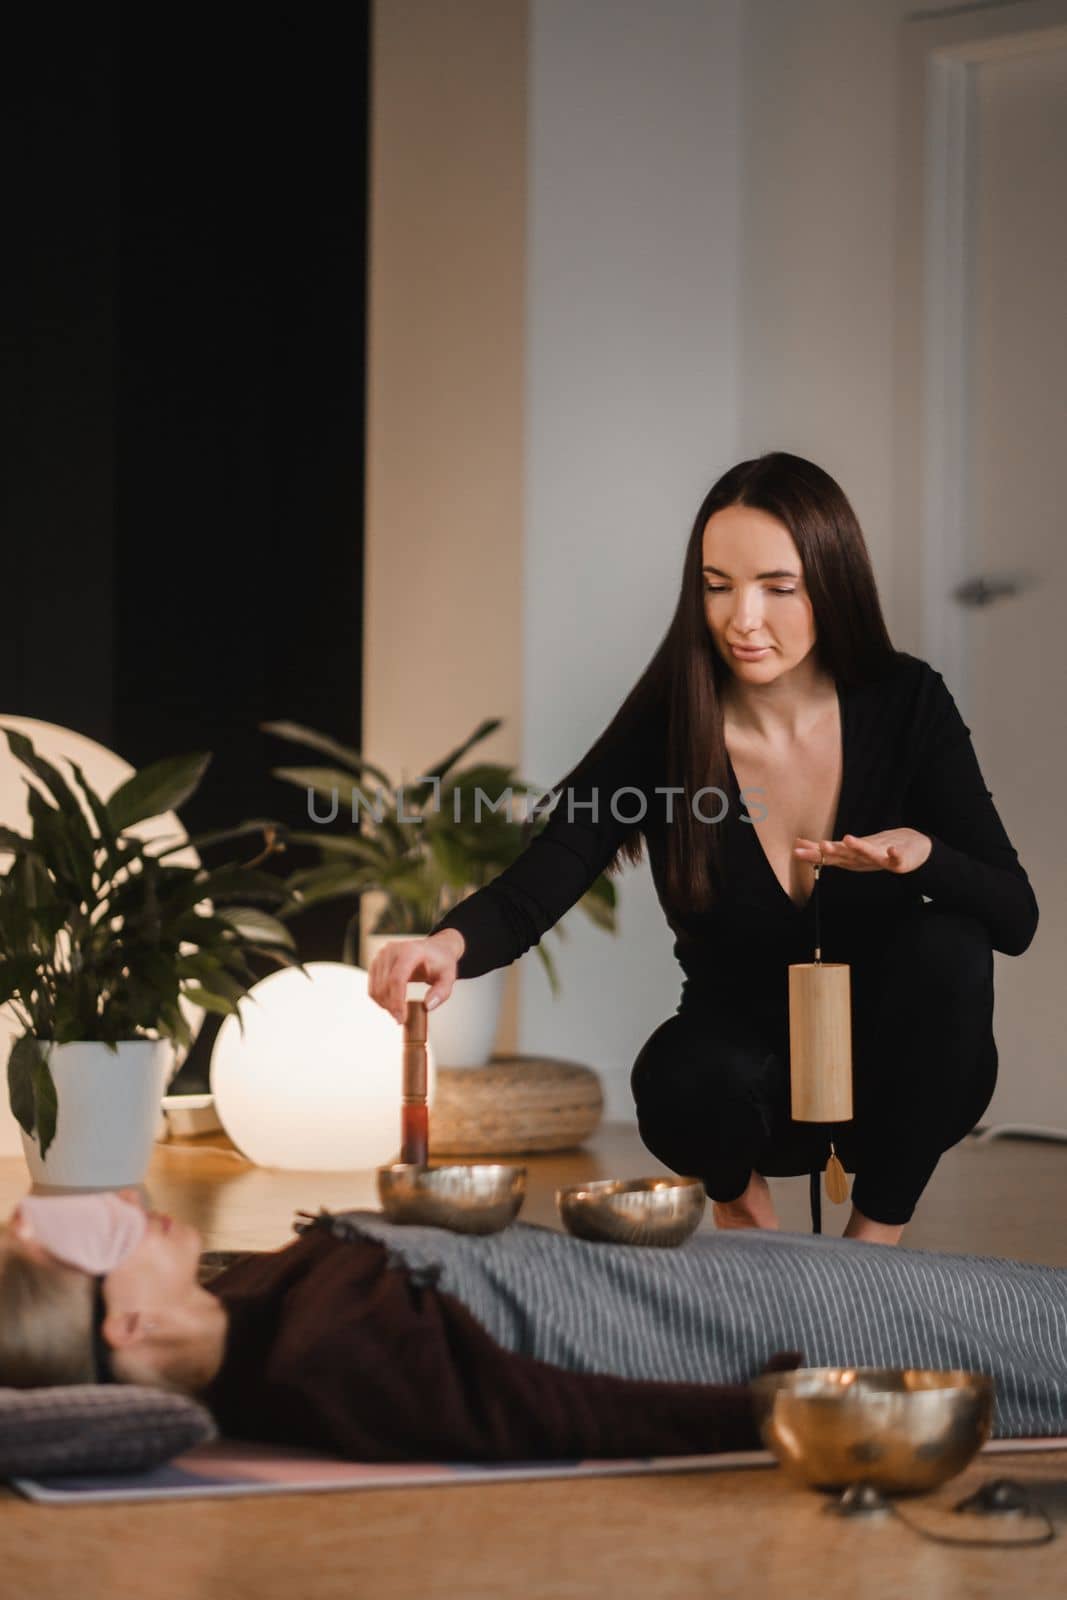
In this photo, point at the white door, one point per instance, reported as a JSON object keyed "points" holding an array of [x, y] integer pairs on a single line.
{"points": [[1014, 645], [980, 567]]}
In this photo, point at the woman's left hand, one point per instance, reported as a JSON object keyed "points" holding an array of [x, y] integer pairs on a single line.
{"points": [[892, 850]]}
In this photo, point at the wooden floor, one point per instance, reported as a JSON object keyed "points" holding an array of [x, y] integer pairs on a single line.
{"points": [[743, 1532]]}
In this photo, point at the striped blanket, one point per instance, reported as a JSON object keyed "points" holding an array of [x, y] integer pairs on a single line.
{"points": [[714, 1309]]}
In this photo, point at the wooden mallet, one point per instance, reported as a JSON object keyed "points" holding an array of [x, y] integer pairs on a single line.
{"points": [[414, 1108]]}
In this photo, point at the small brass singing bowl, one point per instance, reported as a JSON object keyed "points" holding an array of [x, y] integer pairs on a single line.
{"points": [[657, 1211], [481, 1197], [903, 1429]]}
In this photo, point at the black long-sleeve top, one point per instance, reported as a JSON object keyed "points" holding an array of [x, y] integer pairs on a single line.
{"points": [[908, 761]]}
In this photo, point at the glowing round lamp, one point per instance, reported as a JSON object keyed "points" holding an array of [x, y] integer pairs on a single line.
{"points": [[104, 772], [314, 1082]]}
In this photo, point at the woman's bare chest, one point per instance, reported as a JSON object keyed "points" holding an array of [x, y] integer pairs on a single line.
{"points": [[789, 793]]}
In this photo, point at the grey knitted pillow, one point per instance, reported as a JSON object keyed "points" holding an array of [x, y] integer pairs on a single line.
{"points": [[95, 1428]]}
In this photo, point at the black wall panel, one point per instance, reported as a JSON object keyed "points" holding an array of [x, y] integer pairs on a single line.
{"points": [[183, 388]]}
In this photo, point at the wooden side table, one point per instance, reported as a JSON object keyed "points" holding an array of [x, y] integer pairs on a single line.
{"points": [[515, 1105]]}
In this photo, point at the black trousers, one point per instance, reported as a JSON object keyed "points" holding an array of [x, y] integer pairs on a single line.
{"points": [[711, 1084]]}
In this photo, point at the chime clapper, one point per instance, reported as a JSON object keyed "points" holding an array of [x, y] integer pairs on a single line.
{"points": [[821, 1048], [414, 1110]]}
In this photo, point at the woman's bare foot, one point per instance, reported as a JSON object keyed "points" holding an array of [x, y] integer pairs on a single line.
{"points": [[754, 1208], [860, 1227]]}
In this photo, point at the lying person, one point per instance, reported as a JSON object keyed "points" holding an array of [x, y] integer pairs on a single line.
{"points": [[385, 1343]]}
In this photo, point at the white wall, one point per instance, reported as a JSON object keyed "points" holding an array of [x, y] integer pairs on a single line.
{"points": [[820, 213], [631, 413], [445, 324], [819, 139]]}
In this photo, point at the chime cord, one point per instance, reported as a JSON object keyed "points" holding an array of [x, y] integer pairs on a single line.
{"points": [[815, 1180]]}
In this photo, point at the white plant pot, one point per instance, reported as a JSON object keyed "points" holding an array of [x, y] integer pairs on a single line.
{"points": [[108, 1114], [463, 1029]]}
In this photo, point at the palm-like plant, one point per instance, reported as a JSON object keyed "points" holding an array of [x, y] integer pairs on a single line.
{"points": [[421, 846], [100, 934]]}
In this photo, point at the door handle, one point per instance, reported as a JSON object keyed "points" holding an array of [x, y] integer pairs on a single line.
{"points": [[983, 591]]}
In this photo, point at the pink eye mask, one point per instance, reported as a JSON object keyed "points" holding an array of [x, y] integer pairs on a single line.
{"points": [[92, 1232]]}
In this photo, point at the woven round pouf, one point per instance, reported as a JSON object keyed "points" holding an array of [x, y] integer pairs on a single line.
{"points": [[515, 1105]]}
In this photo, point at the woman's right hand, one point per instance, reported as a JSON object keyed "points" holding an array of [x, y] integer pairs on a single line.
{"points": [[432, 960]]}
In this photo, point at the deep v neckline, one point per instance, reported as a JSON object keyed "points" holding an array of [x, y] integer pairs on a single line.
{"points": [[839, 816]]}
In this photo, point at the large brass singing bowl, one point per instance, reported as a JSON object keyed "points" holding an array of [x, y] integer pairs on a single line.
{"points": [[480, 1197], [903, 1429], [658, 1211]]}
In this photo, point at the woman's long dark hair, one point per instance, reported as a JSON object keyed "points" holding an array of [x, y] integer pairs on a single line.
{"points": [[681, 686]]}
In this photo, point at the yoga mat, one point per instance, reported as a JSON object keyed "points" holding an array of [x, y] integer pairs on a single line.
{"points": [[227, 1467]]}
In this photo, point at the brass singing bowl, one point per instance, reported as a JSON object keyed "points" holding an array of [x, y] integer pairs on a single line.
{"points": [[903, 1429], [480, 1197], [658, 1211]]}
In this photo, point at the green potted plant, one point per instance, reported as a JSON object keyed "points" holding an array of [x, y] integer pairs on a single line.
{"points": [[101, 938], [424, 850]]}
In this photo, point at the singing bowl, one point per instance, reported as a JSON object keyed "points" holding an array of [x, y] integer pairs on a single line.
{"points": [[658, 1211], [479, 1197], [903, 1429]]}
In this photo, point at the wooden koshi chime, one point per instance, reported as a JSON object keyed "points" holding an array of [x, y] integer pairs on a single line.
{"points": [[820, 1047]]}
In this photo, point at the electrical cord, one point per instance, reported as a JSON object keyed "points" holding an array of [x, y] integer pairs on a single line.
{"points": [[998, 1496]]}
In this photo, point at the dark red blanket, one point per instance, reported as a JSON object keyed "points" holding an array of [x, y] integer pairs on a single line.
{"points": [[331, 1348]]}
